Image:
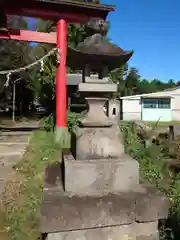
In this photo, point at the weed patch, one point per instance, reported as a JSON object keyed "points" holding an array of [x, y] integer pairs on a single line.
{"points": [[20, 204], [154, 170]]}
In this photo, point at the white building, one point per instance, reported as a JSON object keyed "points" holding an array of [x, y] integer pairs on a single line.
{"points": [[159, 106]]}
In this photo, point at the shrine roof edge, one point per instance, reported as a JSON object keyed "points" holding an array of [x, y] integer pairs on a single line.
{"points": [[102, 9], [79, 3], [53, 9]]}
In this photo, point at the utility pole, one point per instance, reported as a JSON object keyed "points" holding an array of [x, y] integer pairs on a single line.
{"points": [[14, 98]]}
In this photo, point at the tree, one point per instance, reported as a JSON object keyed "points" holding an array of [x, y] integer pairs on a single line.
{"points": [[143, 86], [170, 84], [132, 82], [14, 54], [155, 85], [135, 85], [126, 86], [117, 77], [43, 84]]}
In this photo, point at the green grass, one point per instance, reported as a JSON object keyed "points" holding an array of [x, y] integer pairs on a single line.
{"points": [[154, 170], [163, 124], [157, 123], [20, 205]]}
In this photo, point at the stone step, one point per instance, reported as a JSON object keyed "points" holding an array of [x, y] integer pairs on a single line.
{"points": [[5, 172], [9, 160], [14, 138], [12, 149], [16, 153], [13, 144], [2, 186], [15, 133]]}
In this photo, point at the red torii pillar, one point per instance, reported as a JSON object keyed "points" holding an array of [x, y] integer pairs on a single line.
{"points": [[61, 41], [61, 88]]}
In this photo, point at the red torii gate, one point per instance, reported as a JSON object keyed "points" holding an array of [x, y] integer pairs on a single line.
{"points": [[62, 11]]}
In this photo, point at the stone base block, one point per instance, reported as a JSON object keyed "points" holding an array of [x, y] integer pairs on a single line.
{"points": [[61, 212], [150, 205], [97, 177], [135, 231]]}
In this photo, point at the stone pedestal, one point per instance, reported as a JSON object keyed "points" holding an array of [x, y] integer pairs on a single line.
{"points": [[100, 197]]}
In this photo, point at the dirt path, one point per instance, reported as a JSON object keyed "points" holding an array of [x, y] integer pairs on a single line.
{"points": [[13, 143]]}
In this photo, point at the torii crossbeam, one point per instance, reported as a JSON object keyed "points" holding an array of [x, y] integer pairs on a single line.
{"points": [[29, 36], [61, 11]]}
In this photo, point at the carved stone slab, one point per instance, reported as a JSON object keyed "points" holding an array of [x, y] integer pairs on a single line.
{"points": [[98, 177], [65, 213]]}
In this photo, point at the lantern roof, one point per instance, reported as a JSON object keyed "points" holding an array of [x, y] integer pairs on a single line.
{"points": [[96, 51], [107, 54]]}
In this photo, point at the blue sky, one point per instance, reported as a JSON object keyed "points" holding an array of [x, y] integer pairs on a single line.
{"points": [[152, 29]]}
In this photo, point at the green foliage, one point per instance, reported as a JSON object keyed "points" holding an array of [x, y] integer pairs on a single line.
{"points": [[43, 84], [133, 84], [155, 171], [117, 77], [15, 54], [76, 34], [72, 121], [49, 122], [22, 197]]}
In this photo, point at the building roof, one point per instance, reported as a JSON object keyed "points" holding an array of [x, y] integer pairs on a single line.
{"points": [[161, 94]]}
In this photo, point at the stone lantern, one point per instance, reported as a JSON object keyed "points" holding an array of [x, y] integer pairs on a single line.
{"points": [[100, 197]]}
